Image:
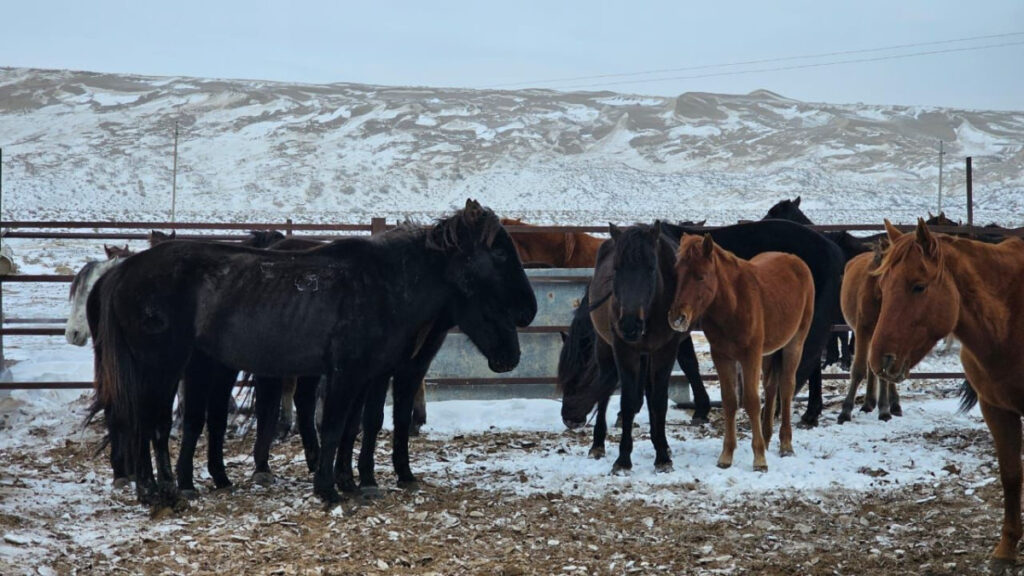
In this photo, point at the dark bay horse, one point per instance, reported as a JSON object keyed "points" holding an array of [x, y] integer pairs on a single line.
{"points": [[356, 309], [554, 249], [861, 301], [933, 284], [632, 288], [749, 310], [582, 390]]}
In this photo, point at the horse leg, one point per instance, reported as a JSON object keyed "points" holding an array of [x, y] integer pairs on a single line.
{"points": [[632, 373], [726, 369], [871, 393], [339, 406], [178, 427], [832, 350], [419, 409], [218, 401], [687, 358], [407, 386], [884, 387], [858, 371], [1005, 427], [119, 462], [814, 402], [846, 345], [771, 368], [660, 370], [786, 378], [894, 400], [751, 367], [607, 377], [267, 400], [373, 421], [284, 424], [193, 422], [168, 488], [305, 413], [343, 465]]}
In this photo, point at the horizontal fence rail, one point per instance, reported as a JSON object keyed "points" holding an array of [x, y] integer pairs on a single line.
{"points": [[73, 230]]}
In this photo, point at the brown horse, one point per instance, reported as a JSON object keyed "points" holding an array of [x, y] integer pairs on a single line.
{"points": [[861, 302], [749, 310], [933, 284], [554, 249]]}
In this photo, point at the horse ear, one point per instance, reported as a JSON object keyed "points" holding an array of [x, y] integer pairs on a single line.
{"points": [[702, 222], [891, 231], [656, 231], [110, 251], [707, 245], [925, 238], [472, 211], [930, 217], [796, 203], [614, 231]]}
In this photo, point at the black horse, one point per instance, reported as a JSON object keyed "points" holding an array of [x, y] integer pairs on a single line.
{"points": [[633, 286], [577, 371], [839, 349], [355, 309]]}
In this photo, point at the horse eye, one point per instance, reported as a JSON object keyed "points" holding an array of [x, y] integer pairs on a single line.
{"points": [[918, 288], [700, 277]]}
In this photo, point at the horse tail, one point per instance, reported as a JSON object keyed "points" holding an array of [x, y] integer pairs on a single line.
{"points": [[576, 361], [968, 397], [117, 381]]}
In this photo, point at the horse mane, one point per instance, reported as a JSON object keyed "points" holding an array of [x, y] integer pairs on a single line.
{"points": [[901, 247], [76, 282], [444, 235]]}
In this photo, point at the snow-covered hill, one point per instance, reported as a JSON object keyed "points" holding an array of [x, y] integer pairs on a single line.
{"points": [[99, 146]]}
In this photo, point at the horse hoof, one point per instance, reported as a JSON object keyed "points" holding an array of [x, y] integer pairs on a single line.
{"points": [[189, 493], [783, 453], [371, 492], [663, 468], [596, 453], [621, 468], [884, 417], [760, 467], [410, 485], [699, 421], [999, 566], [807, 424], [414, 429], [329, 495], [348, 486], [867, 408], [121, 483], [160, 512], [896, 410], [844, 417], [724, 465], [264, 479]]}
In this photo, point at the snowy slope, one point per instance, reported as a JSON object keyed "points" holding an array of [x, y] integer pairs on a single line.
{"points": [[90, 145]]}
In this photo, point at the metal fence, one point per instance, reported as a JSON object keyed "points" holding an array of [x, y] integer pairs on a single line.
{"points": [[558, 292]]}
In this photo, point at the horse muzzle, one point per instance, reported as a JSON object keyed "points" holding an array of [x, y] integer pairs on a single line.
{"points": [[500, 365], [76, 337], [681, 323]]}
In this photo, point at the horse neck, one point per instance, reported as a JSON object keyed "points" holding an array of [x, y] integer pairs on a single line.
{"points": [[410, 263], [988, 279], [730, 272]]}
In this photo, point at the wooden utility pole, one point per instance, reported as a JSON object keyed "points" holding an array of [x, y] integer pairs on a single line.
{"points": [[941, 154], [970, 198], [174, 174]]}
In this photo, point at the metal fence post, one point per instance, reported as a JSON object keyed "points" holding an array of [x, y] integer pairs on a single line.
{"points": [[5, 374], [377, 225], [970, 199]]}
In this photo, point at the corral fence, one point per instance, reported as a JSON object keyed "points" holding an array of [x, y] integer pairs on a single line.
{"points": [[558, 292]]}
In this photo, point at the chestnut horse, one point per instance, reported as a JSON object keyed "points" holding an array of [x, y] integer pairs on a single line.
{"points": [[861, 303], [933, 284], [554, 249], [749, 310]]}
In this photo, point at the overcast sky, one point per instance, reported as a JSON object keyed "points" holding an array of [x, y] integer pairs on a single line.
{"points": [[524, 43]]}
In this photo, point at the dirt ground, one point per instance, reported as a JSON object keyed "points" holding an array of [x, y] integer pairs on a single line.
{"points": [[449, 527]]}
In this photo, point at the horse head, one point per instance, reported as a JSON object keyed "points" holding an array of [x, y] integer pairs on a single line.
{"points": [[635, 282], [76, 331], [788, 210], [920, 301], [696, 281], [494, 295]]}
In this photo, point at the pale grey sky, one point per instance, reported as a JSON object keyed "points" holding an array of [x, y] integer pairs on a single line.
{"points": [[484, 44]]}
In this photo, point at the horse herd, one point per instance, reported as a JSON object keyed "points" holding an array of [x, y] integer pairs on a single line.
{"points": [[366, 313]]}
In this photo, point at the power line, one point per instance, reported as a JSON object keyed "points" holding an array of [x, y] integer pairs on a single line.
{"points": [[749, 62], [794, 67]]}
